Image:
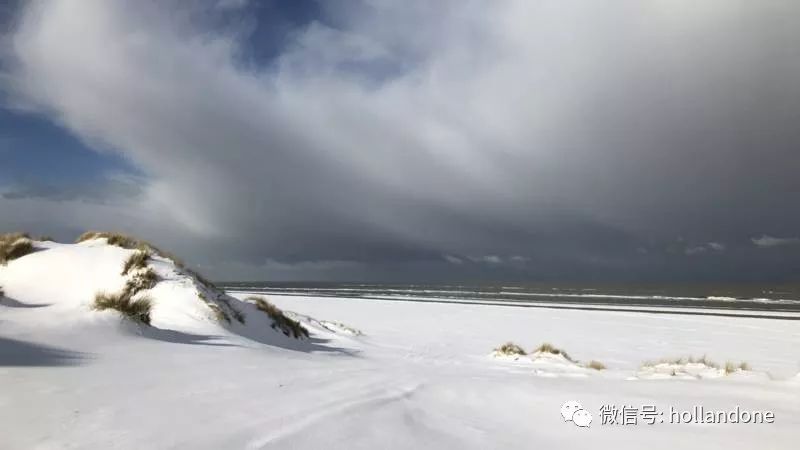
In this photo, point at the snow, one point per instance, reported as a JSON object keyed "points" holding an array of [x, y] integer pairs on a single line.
{"points": [[374, 374]]}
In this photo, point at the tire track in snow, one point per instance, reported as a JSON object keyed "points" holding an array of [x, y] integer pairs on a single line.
{"points": [[298, 422]]}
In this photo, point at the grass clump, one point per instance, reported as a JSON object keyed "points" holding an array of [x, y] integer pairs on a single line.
{"points": [[138, 260], [129, 242], [731, 367], [289, 327], [238, 315], [703, 360], [596, 365], [141, 281], [510, 349], [118, 239], [682, 361], [14, 245], [550, 348], [136, 310], [220, 313]]}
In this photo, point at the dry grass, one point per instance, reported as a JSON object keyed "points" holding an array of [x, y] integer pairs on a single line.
{"points": [[129, 242], [118, 239], [703, 360], [219, 314], [682, 361], [728, 368], [731, 367], [141, 281], [550, 348], [510, 349], [238, 315], [136, 310], [14, 245], [596, 365], [137, 260], [223, 314], [289, 327], [14, 236]]}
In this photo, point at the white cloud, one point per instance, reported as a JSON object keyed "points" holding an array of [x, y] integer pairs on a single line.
{"points": [[703, 248], [453, 259], [771, 241]]}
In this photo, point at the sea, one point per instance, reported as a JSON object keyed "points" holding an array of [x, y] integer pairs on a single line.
{"points": [[750, 297]]}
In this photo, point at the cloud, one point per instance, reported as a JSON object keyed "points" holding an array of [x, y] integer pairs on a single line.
{"points": [[770, 241], [453, 259], [491, 259], [495, 128], [708, 247]]}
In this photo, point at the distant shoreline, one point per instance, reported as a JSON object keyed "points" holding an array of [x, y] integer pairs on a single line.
{"points": [[729, 311]]}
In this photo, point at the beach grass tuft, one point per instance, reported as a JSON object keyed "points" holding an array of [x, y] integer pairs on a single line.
{"points": [[132, 243], [731, 367], [289, 327], [138, 260], [219, 314], [113, 238], [141, 281], [596, 365], [136, 310], [510, 349], [550, 348], [14, 246]]}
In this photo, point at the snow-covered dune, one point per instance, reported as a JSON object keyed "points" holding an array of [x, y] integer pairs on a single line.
{"points": [[371, 374], [64, 279]]}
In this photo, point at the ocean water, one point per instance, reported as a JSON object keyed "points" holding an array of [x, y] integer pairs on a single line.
{"points": [[738, 297]]}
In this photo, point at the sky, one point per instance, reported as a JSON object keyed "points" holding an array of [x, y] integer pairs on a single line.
{"points": [[412, 141]]}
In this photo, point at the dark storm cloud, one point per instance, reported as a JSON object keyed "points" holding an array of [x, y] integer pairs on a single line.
{"points": [[523, 139]]}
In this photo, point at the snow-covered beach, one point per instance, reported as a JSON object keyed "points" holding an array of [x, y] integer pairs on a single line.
{"points": [[373, 374], [399, 224]]}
